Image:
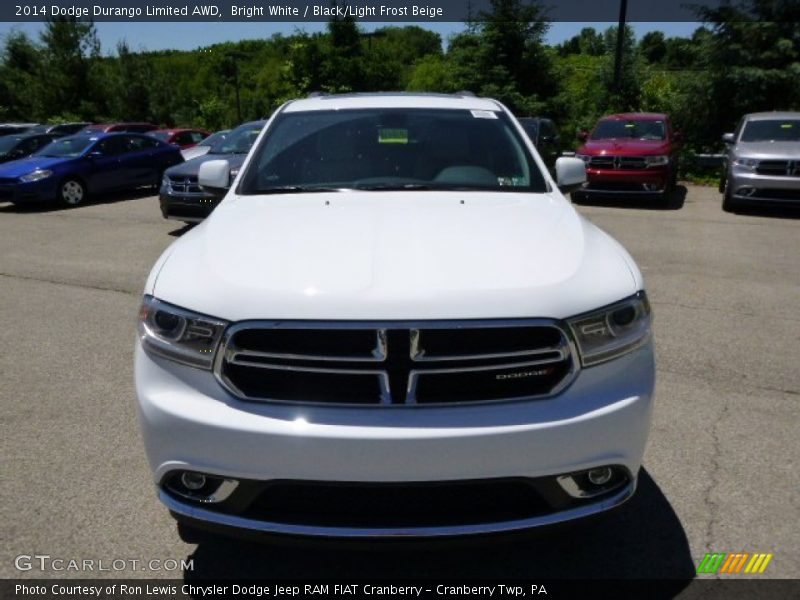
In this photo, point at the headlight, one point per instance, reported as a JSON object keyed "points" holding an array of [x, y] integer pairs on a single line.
{"points": [[179, 334], [36, 176], [747, 163], [656, 161], [165, 181], [584, 157], [612, 331]]}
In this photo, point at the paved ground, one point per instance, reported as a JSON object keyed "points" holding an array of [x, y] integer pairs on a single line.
{"points": [[721, 467]]}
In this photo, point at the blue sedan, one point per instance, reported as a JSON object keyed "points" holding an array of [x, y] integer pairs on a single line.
{"points": [[71, 168]]}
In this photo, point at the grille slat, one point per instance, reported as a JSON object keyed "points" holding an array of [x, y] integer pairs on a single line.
{"points": [[618, 162], [786, 168], [394, 364]]}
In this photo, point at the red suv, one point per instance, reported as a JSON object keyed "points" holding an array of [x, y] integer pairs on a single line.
{"points": [[630, 154]]}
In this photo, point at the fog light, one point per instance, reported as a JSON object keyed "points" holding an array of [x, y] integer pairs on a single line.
{"points": [[193, 481], [745, 191], [600, 476]]}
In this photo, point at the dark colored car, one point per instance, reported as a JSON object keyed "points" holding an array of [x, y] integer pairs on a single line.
{"points": [[630, 154], [119, 128], [182, 198], [14, 147], [183, 138], [544, 135], [60, 129], [12, 128], [71, 168]]}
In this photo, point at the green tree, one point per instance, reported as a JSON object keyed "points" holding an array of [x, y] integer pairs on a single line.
{"points": [[70, 50]]}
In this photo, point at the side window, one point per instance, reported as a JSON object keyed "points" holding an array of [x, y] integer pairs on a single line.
{"points": [[548, 131], [112, 146], [196, 137], [139, 143], [30, 145]]}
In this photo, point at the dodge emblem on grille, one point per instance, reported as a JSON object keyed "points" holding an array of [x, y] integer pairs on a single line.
{"points": [[523, 374]]}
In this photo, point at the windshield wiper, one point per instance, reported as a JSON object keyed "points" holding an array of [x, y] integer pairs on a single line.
{"points": [[387, 187], [294, 189]]}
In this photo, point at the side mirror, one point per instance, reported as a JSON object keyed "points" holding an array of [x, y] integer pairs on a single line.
{"points": [[583, 136], [570, 174], [729, 138], [214, 176]]}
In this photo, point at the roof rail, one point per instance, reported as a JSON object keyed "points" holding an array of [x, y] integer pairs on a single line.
{"points": [[317, 94], [466, 93]]}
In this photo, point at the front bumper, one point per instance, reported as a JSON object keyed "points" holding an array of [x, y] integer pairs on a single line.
{"points": [[190, 208], [749, 186], [615, 182], [43, 190], [190, 423]]}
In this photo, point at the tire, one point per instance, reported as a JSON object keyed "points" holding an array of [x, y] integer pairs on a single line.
{"points": [[728, 203], [71, 192]]}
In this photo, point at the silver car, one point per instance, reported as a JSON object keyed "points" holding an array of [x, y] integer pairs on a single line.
{"points": [[762, 161]]}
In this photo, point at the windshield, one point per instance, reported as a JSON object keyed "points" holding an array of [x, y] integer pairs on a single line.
{"points": [[8, 143], [238, 141], [69, 147], [786, 130], [401, 149], [637, 130], [214, 138]]}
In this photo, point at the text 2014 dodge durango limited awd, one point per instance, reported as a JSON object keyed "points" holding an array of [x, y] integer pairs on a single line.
{"points": [[394, 324]]}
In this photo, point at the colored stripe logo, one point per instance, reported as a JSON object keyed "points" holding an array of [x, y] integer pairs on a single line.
{"points": [[734, 563]]}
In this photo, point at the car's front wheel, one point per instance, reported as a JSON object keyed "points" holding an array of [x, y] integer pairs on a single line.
{"points": [[728, 203], [71, 192]]}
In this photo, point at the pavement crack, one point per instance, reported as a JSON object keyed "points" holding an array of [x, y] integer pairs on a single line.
{"points": [[70, 284], [711, 504]]}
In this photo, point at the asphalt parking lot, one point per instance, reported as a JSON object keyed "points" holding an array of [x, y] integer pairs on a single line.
{"points": [[720, 471]]}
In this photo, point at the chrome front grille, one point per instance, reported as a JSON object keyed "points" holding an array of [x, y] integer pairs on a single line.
{"points": [[786, 168], [395, 364], [618, 162], [185, 184]]}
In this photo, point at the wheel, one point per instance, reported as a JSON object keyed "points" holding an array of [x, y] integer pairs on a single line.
{"points": [[728, 203], [668, 195], [71, 192]]}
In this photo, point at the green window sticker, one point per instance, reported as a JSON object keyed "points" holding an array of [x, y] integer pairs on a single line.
{"points": [[393, 136], [786, 125]]}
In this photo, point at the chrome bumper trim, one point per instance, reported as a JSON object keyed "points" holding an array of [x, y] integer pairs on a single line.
{"points": [[216, 518]]}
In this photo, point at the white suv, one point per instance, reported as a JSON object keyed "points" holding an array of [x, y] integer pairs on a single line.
{"points": [[394, 324]]}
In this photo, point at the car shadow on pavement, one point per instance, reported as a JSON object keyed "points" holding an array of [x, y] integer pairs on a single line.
{"points": [[644, 539], [676, 202], [773, 211], [181, 230], [109, 198]]}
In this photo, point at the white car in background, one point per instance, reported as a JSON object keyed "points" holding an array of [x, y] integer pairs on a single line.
{"points": [[394, 324]]}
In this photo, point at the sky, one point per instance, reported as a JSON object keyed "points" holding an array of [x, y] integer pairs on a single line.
{"points": [[187, 36]]}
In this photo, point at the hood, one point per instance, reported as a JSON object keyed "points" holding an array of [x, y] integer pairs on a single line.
{"points": [[23, 166], [394, 255], [768, 150], [625, 147], [192, 167]]}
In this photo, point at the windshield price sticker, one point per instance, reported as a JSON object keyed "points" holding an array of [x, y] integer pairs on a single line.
{"points": [[484, 114]]}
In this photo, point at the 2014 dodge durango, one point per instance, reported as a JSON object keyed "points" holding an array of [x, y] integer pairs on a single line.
{"points": [[394, 324]]}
